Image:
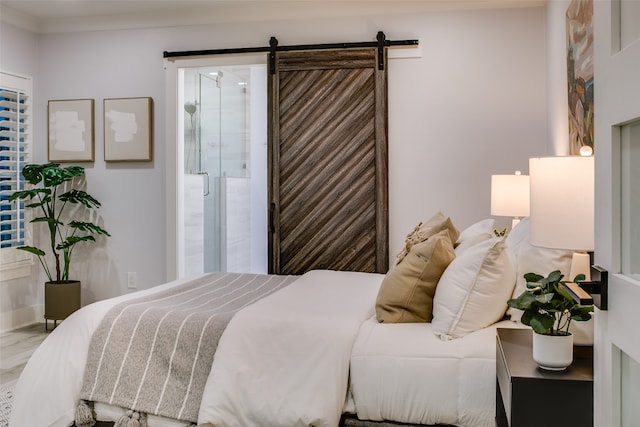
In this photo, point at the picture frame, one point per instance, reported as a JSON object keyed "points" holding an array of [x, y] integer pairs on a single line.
{"points": [[128, 129], [71, 134]]}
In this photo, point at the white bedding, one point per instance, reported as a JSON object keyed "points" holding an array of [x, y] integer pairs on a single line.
{"points": [[403, 372], [47, 392], [331, 305], [309, 335], [300, 374]]}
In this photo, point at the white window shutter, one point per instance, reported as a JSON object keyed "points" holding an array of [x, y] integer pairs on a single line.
{"points": [[15, 146]]}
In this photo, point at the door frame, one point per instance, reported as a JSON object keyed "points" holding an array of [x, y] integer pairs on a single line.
{"points": [[616, 105], [174, 161]]}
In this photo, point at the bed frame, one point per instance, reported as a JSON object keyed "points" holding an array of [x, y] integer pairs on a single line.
{"points": [[346, 421], [353, 421]]}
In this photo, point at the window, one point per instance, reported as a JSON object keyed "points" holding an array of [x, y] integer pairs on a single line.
{"points": [[15, 120]]}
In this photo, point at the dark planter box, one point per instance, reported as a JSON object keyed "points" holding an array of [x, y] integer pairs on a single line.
{"points": [[61, 299]]}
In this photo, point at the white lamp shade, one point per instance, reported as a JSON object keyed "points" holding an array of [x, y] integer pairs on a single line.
{"points": [[510, 195], [562, 202]]}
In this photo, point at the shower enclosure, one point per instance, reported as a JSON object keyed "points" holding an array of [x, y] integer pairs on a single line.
{"points": [[224, 187]]}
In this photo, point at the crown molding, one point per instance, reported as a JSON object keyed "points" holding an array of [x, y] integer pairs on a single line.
{"points": [[206, 13]]}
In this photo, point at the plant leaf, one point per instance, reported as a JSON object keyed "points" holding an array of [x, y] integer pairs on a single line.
{"points": [[72, 240], [32, 249], [47, 219], [532, 277], [544, 298], [555, 276], [581, 312], [524, 301], [79, 196], [27, 194], [33, 173], [53, 175], [88, 227], [541, 323], [579, 278]]}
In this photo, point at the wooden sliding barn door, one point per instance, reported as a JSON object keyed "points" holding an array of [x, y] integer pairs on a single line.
{"points": [[328, 175]]}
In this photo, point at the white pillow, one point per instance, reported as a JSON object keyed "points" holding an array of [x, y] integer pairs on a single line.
{"points": [[475, 233], [516, 237], [473, 291]]}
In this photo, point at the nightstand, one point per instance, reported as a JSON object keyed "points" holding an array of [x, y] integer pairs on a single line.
{"points": [[529, 396]]}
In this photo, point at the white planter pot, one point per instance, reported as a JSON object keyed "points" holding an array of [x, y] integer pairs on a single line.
{"points": [[553, 352]]}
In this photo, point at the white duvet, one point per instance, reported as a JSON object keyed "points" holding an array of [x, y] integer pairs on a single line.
{"points": [[404, 372], [299, 376]]}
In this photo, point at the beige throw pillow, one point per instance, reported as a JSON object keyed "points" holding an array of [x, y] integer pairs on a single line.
{"points": [[406, 293], [423, 231]]}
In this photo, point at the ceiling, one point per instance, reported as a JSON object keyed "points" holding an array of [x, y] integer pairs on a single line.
{"points": [[53, 16]]}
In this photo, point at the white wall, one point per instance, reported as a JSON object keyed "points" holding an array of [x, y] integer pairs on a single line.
{"points": [[19, 299], [557, 101], [473, 105]]}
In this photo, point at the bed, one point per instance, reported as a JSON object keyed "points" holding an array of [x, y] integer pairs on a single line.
{"points": [[326, 348]]}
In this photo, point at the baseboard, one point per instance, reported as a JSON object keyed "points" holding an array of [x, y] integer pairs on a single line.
{"points": [[21, 317]]}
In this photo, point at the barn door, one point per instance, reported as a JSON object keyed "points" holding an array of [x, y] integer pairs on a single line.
{"points": [[328, 162]]}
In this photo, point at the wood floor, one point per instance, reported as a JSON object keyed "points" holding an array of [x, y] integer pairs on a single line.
{"points": [[15, 349]]}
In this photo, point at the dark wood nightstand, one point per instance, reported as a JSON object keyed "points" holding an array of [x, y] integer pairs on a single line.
{"points": [[529, 396]]}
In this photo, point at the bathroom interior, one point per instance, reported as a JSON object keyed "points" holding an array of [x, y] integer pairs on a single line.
{"points": [[224, 140]]}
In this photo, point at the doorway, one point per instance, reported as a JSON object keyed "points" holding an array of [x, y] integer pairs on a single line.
{"points": [[617, 249], [222, 141], [346, 228]]}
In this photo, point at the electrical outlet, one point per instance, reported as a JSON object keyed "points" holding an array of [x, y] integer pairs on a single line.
{"points": [[132, 280]]}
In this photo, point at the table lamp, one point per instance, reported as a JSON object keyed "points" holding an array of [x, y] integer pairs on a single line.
{"points": [[510, 196], [562, 207]]}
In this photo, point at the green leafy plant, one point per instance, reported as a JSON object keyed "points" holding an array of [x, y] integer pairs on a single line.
{"points": [[47, 200], [548, 308]]}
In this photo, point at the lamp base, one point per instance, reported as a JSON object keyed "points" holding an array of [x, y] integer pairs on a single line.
{"points": [[580, 264], [515, 221]]}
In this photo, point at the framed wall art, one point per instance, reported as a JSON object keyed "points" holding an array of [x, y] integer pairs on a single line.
{"points": [[71, 130], [128, 129]]}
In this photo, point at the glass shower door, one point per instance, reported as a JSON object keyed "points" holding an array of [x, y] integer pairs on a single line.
{"points": [[209, 135]]}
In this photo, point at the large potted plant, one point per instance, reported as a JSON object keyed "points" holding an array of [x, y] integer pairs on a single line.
{"points": [[52, 197], [549, 310]]}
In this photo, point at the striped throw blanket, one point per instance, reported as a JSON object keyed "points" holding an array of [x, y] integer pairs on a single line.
{"points": [[153, 354]]}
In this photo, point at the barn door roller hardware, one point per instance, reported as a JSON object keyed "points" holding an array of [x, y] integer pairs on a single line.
{"points": [[380, 43]]}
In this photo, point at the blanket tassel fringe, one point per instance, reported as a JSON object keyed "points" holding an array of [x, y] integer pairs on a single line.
{"points": [[84, 415], [132, 419]]}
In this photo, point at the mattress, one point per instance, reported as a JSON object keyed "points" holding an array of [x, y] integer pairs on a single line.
{"points": [[403, 372]]}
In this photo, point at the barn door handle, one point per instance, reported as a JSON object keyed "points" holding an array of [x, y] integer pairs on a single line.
{"points": [[272, 221]]}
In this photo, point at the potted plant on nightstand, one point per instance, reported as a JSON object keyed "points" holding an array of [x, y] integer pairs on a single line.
{"points": [[53, 197], [549, 310]]}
